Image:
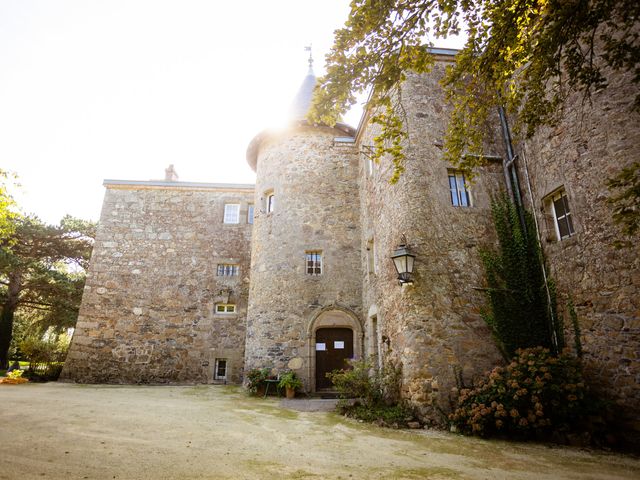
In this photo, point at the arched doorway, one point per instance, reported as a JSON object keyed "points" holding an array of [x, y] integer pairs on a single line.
{"points": [[334, 335]]}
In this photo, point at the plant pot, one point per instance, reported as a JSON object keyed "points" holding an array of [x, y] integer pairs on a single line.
{"points": [[291, 392]]}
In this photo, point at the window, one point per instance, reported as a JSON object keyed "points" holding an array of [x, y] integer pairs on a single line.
{"points": [[250, 213], [225, 308], [314, 262], [458, 189], [232, 213], [562, 215], [371, 255], [369, 166], [220, 372], [374, 344], [228, 269], [271, 198]]}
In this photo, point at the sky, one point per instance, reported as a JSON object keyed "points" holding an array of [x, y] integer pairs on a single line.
{"points": [[119, 89]]}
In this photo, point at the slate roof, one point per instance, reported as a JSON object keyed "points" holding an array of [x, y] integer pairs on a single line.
{"points": [[302, 101]]}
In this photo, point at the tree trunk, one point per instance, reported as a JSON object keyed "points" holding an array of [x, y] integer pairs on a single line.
{"points": [[6, 318]]}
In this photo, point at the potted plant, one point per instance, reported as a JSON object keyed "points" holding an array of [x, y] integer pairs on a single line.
{"points": [[290, 382], [256, 380]]}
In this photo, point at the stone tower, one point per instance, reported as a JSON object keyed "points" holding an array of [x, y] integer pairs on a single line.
{"points": [[304, 310]]}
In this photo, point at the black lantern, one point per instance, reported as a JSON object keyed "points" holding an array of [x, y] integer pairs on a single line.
{"points": [[403, 261]]}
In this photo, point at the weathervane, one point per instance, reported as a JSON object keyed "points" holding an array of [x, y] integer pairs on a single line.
{"points": [[308, 49]]}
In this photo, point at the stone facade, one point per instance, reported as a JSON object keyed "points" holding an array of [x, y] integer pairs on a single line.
{"points": [[592, 143], [148, 312]]}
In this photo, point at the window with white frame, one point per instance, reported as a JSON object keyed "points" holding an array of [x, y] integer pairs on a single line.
{"points": [[313, 262], [228, 269], [250, 211], [458, 189], [271, 199], [232, 213], [561, 213], [225, 308], [220, 372]]}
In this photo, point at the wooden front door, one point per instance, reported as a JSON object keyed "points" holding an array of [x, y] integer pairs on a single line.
{"points": [[333, 347]]}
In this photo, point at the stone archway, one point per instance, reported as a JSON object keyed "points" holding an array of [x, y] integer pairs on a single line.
{"points": [[332, 317]]}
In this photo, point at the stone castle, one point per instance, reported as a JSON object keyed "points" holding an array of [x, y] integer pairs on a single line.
{"points": [[200, 282]]}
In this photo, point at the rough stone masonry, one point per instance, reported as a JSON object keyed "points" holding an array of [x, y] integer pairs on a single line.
{"points": [[157, 310]]}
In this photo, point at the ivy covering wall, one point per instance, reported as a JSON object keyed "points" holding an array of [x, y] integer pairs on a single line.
{"points": [[522, 303]]}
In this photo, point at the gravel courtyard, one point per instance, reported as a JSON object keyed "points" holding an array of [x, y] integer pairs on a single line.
{"points": [[65, 431]]}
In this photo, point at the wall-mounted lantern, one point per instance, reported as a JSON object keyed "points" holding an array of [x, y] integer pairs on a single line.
{"points": [[403, 260]]}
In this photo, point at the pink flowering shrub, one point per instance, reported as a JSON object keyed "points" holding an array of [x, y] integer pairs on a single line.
{"points": [[536, 394]]}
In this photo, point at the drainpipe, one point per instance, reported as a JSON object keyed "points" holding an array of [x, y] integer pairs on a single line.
{"points": [[554, 336], [510, 173]]}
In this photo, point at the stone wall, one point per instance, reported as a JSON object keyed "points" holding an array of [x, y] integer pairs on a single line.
{"points": [[148, 309], [592, 143], [313, 179], [432, 328]]}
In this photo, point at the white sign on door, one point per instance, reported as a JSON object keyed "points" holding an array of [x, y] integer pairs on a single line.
{"points": [[321, 347], [338, 345]]}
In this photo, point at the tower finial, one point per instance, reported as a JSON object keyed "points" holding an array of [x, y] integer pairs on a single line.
{"points": [[308, 49]]}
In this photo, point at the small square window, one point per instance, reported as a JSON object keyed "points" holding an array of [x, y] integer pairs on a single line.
{"points": [[220, 372], [314, 263], [561, 213], [458, 189], [227, 269], [225, 308], [250, 210], [232, 213]]}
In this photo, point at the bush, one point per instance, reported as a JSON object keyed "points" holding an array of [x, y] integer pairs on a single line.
{"points": [[256, 379], [45, 355], [537, 394], [394, 416], [370, 394], [357, 382]]}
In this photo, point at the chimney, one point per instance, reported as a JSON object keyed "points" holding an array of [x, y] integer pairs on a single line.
{"points": [[170, 174]]}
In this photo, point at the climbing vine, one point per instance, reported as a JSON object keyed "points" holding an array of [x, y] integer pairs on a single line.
{"points": [[522, 304]]}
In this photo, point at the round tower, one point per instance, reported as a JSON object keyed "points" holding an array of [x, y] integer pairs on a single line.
{"points": [[304, 311]]}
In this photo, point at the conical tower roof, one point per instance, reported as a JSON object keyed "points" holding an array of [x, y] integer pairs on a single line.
{"points": [[302, 101], [297, 116]]}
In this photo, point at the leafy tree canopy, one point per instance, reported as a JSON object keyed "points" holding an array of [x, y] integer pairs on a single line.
{"points": [[6, 204], [526, 55], [42, 274]]}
